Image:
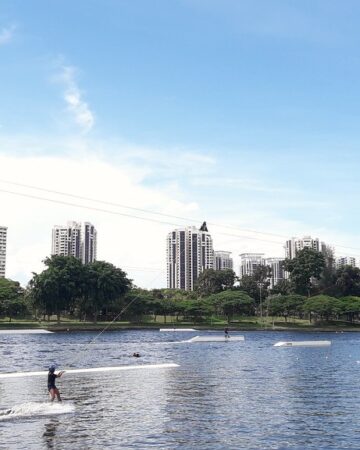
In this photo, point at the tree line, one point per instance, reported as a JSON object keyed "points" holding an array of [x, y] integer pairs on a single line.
{"points": [[314, 290]]}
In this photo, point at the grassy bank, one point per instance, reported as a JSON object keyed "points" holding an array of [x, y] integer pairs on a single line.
{"points": [[241, 324]]}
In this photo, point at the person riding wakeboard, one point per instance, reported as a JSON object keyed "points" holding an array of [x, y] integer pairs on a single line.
{"points": [[53, 390]]}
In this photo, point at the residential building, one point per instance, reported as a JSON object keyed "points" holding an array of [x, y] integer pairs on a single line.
{"points": [[222, 260], [189, 252], [75, 240], [293, 245], [249, 262], [277, 271], [3, 239], [343, 261], [89, 243]]}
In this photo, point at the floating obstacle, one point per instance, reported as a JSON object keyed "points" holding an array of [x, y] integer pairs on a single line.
{"points": [[177, 329], [216, 339], [303, 344], [92, 370], [26, 331]]}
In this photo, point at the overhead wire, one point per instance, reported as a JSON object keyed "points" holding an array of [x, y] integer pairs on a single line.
{"points": [[147, 211]]}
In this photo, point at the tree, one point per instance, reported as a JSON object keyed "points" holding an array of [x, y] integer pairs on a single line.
{"points": [[323, 306], [104, 284], [12, 301], [57, 288], [283, 287], [327, 279], [211, 281], [350, 306], [257, 285], [231, 302], [285, 305], [306, 266], [347, 281]]}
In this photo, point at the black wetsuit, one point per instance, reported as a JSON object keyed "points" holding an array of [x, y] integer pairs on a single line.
{"points": [[51, 381]]}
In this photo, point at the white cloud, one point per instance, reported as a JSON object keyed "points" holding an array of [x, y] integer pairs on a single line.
{"points": [[76, 105], [6, 35], [124, 241]]}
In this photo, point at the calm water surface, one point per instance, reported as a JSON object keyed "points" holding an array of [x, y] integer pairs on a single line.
{"points": [[243, 395]]}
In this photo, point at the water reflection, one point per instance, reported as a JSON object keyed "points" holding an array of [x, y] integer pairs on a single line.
{"points": [[49, 434]]}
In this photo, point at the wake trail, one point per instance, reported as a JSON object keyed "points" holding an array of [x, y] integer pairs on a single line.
{"points": [[33, 409]]}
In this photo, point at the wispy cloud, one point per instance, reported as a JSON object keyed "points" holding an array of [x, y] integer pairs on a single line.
{"points": [[76, 105], [6, 34]]}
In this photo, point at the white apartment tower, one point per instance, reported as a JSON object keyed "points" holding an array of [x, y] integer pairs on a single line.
{"points": [[3, 237], [249, 263], [75, 240], [222, 260], [345, 261], [277, 271], [189, 252], [89, 243], [293, 245]]}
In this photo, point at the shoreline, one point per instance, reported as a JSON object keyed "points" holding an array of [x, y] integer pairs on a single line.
{"points": [[71, 327]]}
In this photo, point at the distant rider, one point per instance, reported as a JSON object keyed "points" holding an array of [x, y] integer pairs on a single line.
{"points": [[226, 331], [53, 390]]}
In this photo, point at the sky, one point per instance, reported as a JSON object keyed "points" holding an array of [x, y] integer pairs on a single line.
{"points": [[243, 113]]}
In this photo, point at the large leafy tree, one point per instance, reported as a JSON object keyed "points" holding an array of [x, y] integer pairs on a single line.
{"points": [[56, 289], [351, 307], [257, 284], [231, 302], [347, 281], [304, 268], [104, 284], [211, 281], [12, 302], [323, 306], [285, 305]]}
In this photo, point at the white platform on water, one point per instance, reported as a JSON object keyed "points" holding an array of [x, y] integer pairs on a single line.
{"points": [[216, 339], [26, 331], [303, 344], [91, 370], [177, 329]]}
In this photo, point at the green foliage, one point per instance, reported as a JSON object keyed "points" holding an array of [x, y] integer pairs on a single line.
{"points": [[55, 289], [211, 281], [231, 302], [283, 287], [104, 284], [285, 305], [257, 285], [306, 266], [347, 281], [12, 301], [67, 285], [323, 306]]}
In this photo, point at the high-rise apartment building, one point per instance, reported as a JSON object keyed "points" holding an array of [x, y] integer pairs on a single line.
{"points": [[222, 260], [75, 240], [189, 252], [249, 263], [293, 245], [345, 261], [277, 271], [89, 243], [3, 238]]}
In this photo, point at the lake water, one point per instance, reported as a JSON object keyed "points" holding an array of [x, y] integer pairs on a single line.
{"points": [[240, 395]]}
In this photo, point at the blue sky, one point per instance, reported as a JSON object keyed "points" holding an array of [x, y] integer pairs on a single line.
{"points": [[240, 112]]}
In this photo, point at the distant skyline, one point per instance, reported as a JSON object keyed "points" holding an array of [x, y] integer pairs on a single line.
{"points": [[243, 113]]}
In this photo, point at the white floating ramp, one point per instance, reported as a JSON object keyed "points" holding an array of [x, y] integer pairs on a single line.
{"points": [[26, 331], [177, 329], [216, 339], [92, 370], [303, 344]]}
